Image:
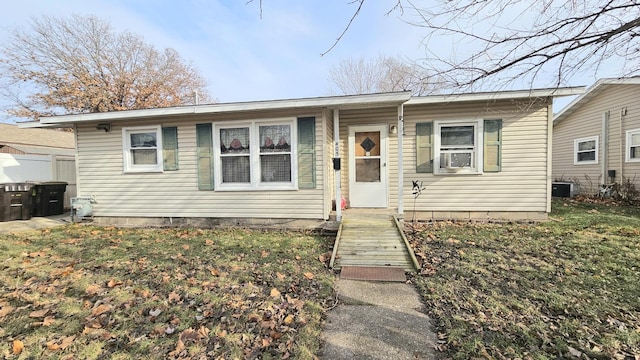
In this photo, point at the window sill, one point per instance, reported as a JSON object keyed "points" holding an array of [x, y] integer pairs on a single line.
{"points": [[223, 188], [457, 172], [143, 171], [586, 163]]}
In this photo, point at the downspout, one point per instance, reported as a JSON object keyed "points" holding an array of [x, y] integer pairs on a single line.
{"points": [[336, 162], [605, 146], [400, 162], [623, 154], [549, 151]]}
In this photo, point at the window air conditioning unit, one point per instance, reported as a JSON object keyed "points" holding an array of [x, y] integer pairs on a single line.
{"points": [[458, 160]]}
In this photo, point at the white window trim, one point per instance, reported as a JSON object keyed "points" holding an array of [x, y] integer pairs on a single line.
{"points": [[477, 155], [576, 144], [254, 156], [128, 165], [627, 146]]}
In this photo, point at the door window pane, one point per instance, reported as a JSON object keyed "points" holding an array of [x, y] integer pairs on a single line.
{"points": [[367, 170], [367, 143]]}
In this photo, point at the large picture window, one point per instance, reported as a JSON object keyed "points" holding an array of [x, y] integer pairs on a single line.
{"points": [[585, 151], [142, 149], [256, 155]]}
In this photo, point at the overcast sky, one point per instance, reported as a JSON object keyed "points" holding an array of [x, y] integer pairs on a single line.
{"points": [[243, 56]]}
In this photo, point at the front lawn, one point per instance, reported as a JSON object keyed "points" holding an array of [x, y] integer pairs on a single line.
{"points": [[566, 288], [82, 292]]}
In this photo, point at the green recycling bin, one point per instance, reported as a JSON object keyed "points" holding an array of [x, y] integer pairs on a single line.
{"points": [[15, 201], [48, 198]]}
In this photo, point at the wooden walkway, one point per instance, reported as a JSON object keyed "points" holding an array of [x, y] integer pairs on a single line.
{"points": [[370, 237]]}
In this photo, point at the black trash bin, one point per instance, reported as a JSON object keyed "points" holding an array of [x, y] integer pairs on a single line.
{"points": [[15, 201], [48, 198]]}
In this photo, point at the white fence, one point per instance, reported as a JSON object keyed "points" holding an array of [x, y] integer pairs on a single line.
{"points": [[23, 168]]}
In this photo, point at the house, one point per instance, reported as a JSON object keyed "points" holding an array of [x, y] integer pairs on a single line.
{"points": [[479, 155], [37, 155], [596, 137]]}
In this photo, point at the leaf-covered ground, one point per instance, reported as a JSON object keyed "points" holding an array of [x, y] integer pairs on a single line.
{"points": [[566, 288], [80, 292]]}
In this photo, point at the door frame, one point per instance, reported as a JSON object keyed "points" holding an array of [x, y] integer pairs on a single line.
{"points": [[384, 160]]}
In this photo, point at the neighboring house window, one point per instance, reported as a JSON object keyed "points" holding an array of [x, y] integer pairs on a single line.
{"points": [[633, 145], [142, 149], [457, 147], [170, 148], [255, 155], [586, 151]]}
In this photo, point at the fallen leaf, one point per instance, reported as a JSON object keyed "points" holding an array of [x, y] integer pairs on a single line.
{"points": [[38, 313], [101, 309], [48, 321], [264, 254], [53, 345], [324, 257], [275, 293], [308, 275], [185, 246], [289, 319], [18, 346], [174, 296], [208, 242], [113, 283], [155, 312], [280, 276], [93, 289], [5, 309]]}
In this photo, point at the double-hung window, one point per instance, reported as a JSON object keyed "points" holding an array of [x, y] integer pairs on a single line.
{"points": [[458, 147], [142, 149], [633, 146], [585, 151], [255, 155]]}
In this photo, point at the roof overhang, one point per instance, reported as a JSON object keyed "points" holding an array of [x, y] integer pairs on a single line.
{"points": [[332, 102], [497, 95], [590, 93]]}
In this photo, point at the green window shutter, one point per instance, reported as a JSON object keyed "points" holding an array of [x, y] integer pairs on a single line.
{"points": [[204, 143], [424, 147], [307, 153], [492, 145], [170, 148]]}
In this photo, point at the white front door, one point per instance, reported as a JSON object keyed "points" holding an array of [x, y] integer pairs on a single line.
{"points": [[368, 166]]}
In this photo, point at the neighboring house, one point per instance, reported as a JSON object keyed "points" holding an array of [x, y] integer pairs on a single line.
{"points": [[596, 138], [480, 156], [37, 155]]}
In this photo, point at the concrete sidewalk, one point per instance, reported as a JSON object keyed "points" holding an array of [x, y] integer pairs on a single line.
{"points": [[35, 223], [377, 320]]}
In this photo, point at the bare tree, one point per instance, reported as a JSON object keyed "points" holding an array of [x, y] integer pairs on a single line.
{"points": [[493, 43], [382, 74], [81, 65]]}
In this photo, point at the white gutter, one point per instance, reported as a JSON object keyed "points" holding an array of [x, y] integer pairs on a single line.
{"points": [[604, 145], [498, 95], [334, 102]]}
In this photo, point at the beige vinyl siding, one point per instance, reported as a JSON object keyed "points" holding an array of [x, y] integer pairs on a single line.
{"points": [[587, 121], [175, 193], [521, 185]]}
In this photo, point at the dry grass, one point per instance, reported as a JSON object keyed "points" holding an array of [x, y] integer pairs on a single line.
{"points": [[567, 288], [96, 293]]}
